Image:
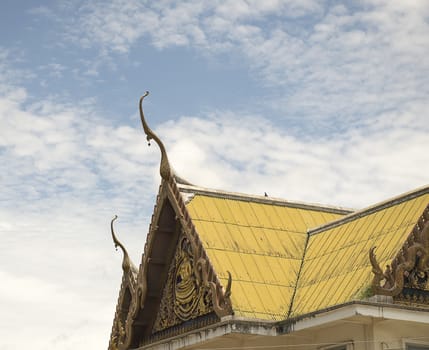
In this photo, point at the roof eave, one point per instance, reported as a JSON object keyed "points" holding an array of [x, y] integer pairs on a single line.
{"points": [[371, 209], [355, 308], [240, 325]]}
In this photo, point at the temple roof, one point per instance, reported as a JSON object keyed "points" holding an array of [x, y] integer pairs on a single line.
{"points": [[212, 254], [290, 258], [336, 268], [261, 241]]}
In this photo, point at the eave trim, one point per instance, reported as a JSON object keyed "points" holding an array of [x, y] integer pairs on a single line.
{"points": [[263, 200], [370, 210]]}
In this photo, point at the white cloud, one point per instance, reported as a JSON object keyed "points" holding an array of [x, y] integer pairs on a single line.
{"points": [[331, 64], [65, 173], [54, 69], [249, 154], [362, 70], [68, 172], [118, 25]]}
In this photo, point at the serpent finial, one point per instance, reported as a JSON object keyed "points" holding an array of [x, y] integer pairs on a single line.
{"points": [[164, 169], [127, 264]]}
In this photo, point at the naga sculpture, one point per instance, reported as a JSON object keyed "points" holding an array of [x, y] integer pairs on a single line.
{"points": [[410, 267], [221, 300]]}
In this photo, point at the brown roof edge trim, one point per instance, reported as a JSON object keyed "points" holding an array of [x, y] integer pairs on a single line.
{"points": [[372, 209], [263, 200]]}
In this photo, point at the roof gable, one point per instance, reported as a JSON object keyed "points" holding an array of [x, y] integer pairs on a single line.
{"points": [[141, 288], [173, 256], [174, 259], [286, 259], [336, 267], [260, 241]]}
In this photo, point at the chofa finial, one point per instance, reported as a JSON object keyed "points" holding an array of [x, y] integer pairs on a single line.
{"points": [[127, 264], [164, 169]]}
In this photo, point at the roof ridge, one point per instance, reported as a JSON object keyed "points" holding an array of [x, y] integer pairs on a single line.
{"points": [[262, 199], [295, 289], [372, 209]]}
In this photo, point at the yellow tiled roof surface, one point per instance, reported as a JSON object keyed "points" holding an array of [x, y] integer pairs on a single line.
{"points": [[261, 244], [336, 265]]}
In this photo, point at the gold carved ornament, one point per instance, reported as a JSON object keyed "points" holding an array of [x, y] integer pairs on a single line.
{"points": [[202, 268], [135, 281], [127, 264], [220, 298], [193, 286], [132, 295], [410, 268], [164, 169], [183, 298], [188, 293]]}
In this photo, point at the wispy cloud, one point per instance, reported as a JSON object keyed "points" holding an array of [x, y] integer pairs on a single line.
{"points": [[331, 63], [360, 70], [66, 173], [249, 154], [54, 69], [118, 25]]}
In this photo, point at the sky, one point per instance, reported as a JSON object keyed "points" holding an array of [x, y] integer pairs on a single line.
{"points": [[314, 101]]}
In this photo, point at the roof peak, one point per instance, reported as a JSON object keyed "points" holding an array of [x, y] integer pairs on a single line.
{"points": [[165, 169]]}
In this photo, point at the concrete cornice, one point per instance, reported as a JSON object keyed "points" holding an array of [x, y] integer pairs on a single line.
{"points": [[354, 308], [233, 324]]}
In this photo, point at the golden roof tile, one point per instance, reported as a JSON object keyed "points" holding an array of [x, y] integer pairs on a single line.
{"points": [[260, 241]]}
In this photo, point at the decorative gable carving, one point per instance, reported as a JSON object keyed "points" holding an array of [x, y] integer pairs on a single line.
{"points": [[184, 297], [410, 268], [193, 288]]}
